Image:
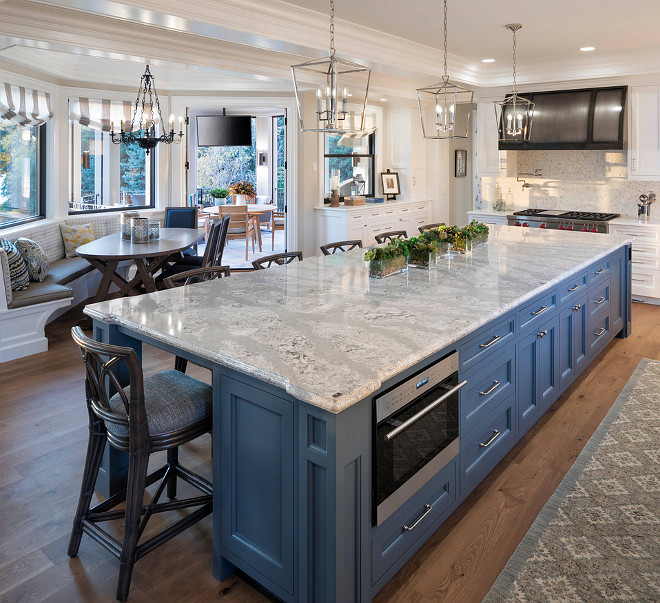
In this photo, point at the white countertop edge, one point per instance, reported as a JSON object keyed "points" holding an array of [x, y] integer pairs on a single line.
{"points": [[336, 405]]}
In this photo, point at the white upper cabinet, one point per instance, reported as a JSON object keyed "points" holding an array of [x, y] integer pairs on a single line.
{"points": [[489, 160], [644, 148]]}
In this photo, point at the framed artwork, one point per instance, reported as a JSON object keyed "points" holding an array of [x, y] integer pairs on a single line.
{"points": [[460, 170], [390, 183]]}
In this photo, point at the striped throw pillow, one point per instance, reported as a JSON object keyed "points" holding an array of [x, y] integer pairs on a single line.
{"points": [[18, 274]]}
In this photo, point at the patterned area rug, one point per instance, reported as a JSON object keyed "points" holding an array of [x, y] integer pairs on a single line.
{"points": [[598, 537]]}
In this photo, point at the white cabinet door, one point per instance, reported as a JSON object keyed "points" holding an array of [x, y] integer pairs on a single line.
{"points": [[490, 161], [644, 152]]}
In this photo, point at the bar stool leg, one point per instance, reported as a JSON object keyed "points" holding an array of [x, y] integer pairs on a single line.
{"points": [[172, 461], [180, 364], [137, 477], [95, 448]]}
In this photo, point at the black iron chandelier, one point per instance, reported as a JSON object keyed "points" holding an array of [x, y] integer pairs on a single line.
{"points": [[144, 133]]}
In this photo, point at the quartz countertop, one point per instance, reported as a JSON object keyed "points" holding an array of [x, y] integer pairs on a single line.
{"points": [[329, 335], [369, 205], [633, 220]]}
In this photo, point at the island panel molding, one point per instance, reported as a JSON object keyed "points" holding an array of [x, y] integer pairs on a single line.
{"points": [[305, 465]]}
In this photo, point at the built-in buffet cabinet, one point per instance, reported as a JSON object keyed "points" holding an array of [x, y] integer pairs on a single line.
{"points": [[366, 221]]}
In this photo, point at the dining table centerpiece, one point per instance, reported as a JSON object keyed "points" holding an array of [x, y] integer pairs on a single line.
{"points": [[385, 261], [479, 231], [242, 191]]}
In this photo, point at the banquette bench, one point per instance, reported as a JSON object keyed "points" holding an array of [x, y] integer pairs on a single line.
{"points": [[24, 314]]}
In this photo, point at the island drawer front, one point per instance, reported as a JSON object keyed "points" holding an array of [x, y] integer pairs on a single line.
{"points": [[490, 339], [598, 301], [572, 288], [598, 333], [535, 313], [485, 446], [600, 270], [391, 540], [640, 233], [486, 388]]}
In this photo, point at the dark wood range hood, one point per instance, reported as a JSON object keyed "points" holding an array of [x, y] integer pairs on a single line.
{"points": [[589, 118]]}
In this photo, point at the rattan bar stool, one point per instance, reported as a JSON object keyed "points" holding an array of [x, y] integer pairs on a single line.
{"points": [[332, 248], [158, 413]]}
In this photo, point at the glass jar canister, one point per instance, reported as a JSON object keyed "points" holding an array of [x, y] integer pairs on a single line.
{"points": [[139, 230]]}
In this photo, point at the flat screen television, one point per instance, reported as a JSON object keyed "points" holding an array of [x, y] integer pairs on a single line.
{"points": [[224, 131]]}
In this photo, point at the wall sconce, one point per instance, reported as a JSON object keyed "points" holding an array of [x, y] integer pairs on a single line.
{"points": [[85, 160], [262, 158]]}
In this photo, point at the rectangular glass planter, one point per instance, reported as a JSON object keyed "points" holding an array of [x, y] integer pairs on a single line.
{"points": [[424, 260], [481, 237], [462, 245], [387, 266]]}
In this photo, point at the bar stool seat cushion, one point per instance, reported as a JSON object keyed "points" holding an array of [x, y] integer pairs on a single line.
{"points": [[172, 399]]}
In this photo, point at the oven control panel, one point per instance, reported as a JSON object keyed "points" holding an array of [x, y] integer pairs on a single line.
{"points": [[415, 386]]}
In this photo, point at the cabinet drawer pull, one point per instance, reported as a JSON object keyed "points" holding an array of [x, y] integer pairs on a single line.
{"points": [[539, 311], [542, 334], [600, 271], [577, 307], [599, 301], [491, 342], [599, 332], [574, 288], [638, 280], [491, 389], [427, 509], [496, 434]]}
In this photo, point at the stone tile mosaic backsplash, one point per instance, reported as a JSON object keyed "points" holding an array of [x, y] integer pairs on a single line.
{"points": [[572, 180]]}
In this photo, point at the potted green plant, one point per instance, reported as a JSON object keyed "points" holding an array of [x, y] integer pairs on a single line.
{"points": [[462, 241], [385, 261], [241, 191], [220, 195], [421, 253], [438, 237], [479, 231]]}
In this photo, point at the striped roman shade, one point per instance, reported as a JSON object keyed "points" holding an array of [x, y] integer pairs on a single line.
{"points": [[100, 114], [23, 106]]}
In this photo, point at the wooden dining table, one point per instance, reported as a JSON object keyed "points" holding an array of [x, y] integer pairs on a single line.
{"points": [[254, 209], [106, 253]]}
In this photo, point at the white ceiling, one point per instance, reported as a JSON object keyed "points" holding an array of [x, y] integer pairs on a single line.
{"points": [[248, 45]]}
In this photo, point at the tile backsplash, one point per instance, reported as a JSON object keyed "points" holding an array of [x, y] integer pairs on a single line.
{"points": [[572, 180]]}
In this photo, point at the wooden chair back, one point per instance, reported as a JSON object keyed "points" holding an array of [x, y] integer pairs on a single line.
{"points": [[215, 244], [278, 258], [392, 234], [196, 275], [332, 248]]}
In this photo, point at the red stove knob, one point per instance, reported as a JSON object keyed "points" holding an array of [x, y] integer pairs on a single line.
{"points": [[517, 224], [569, 228], [525, 224], [594, 230], [542, 226], [561, 227], [585, 229]]}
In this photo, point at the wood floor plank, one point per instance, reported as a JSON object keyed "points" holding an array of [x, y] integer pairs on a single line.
{"points": [[43, 399]]}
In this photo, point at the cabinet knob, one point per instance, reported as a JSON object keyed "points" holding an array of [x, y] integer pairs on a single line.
{"points": [[577, 307], [542, 334]]}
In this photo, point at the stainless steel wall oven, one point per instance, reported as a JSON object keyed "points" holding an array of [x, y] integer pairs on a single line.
{"points": [[415, 434]]}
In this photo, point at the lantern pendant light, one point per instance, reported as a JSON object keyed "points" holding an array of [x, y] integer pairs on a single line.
{"points": [[515, 113], [445, 109], [335, 81]]}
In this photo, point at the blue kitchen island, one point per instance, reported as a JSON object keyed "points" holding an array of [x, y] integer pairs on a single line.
{"points": [[353, 415]]}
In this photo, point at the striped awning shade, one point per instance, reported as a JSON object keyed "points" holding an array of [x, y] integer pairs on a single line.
{"points": [[23, 106], [101, 114]]}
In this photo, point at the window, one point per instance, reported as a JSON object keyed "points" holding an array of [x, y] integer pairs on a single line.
{"points": [[354, 158], [106, 176], [22, 173]]}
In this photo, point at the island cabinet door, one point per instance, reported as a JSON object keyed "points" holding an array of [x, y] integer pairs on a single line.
{"points": [[257, 484], [527, 387], [572, 340], [548, 358]]}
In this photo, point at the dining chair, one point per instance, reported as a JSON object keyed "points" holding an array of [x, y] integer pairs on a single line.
{"points": [[278, 258], [277, 222], [183, 217], [241, 225], [196, 275], [213, 251], [157, 413], [389, 236], [426, 227], [332, 248]]}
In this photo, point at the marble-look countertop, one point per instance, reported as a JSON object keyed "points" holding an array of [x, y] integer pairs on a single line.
{"points": [[633, 220], [369, 205], [329, 335]]}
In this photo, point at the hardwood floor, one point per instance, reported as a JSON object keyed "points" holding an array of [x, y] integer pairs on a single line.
{"points": [[43, 434]]}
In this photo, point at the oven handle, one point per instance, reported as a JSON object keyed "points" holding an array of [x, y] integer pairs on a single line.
{"points": [[416, 417]]}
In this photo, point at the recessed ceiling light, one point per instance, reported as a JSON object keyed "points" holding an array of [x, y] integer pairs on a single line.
{"points": [[587, 48], [382, 100], [487, 60]]}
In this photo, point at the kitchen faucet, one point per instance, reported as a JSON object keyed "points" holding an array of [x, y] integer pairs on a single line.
{"points": [[536, 174]]}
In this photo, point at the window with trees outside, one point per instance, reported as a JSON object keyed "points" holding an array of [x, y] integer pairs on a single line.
{"points": [[22, 171], [354, 158], [106, 176]]}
